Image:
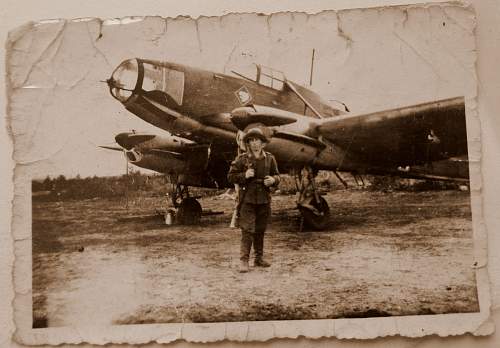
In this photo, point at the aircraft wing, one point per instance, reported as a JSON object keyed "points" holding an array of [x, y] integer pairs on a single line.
{"points": [[168, 154], [405, 136], [195, 157]]}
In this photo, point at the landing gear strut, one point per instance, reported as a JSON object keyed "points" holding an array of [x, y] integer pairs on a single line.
{"points": [[188, 208], [314, 208]]}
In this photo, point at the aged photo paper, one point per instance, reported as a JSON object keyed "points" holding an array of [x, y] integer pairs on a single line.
{"points": [[99, 257]]}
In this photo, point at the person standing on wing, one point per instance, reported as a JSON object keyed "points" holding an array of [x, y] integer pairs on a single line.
{"points": [[256, 172]]}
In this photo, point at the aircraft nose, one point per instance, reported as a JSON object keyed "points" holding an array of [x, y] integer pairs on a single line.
{"points": [[124, 79]]}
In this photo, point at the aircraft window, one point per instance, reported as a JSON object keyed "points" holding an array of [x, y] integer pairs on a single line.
{"points": [[163, 79], [248, 72], [152, 77], [266, 80], [174, 84], [271, 78], [124, 79]]}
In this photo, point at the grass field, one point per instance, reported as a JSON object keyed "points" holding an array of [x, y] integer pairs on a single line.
{"points": [[386, 253]]}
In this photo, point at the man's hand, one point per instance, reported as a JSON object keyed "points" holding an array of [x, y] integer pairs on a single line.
{"points": [[269, 181], [250, 173]]}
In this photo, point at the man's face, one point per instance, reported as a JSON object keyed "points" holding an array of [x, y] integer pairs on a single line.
{"points": [[256, 145]]}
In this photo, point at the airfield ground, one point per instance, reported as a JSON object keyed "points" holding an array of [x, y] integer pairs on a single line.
{"points": [[399, 253]]}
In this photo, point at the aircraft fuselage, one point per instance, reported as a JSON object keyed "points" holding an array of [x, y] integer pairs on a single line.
{"points": [[196, 104]]}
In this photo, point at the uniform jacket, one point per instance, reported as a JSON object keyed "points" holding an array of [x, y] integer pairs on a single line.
{"points": [[254, 190]]}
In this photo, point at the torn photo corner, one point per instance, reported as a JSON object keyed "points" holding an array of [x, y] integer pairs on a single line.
{"points": [[125, 216]]}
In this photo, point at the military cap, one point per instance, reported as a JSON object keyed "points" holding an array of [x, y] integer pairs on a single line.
{"points": [[255, 133]]}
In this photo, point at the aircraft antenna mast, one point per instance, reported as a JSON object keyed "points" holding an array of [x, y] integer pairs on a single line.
{"points": [[312, 69], [310, 84]]}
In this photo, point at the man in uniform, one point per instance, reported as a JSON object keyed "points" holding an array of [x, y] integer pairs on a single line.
{"points": [[255, 171]]}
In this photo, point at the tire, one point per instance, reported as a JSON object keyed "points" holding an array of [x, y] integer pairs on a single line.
{"points": [[188, 212], [313, 220]]}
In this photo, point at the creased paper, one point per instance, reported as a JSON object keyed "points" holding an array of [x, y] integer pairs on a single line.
{"points": [[60, 110]]}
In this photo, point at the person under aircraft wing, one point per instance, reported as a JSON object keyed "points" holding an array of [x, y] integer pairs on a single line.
{"points": [[411, 135]]}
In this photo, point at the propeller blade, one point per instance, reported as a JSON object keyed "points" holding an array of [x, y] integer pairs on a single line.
{"points": [[114, 148]]}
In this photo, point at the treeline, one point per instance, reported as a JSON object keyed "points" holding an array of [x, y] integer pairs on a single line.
{"points": [[391, 183], [327, 181], [62, 188]]}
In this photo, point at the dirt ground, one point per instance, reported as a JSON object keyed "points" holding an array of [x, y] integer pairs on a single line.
{"points": [[399, 253]]}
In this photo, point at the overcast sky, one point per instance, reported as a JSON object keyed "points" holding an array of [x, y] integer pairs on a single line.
{"points": [[371, 60]]}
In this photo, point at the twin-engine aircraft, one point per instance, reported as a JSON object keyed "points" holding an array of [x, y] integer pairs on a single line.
{"points": [[206, 112]]}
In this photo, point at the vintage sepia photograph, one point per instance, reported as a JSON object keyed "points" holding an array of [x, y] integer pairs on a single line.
{"points": [[250, 167]]}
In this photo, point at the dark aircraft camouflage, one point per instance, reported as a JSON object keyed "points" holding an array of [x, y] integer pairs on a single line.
{"points": [[204, 112]]}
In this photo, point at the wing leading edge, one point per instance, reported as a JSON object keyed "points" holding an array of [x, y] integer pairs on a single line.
{"points": [[411, 135]]}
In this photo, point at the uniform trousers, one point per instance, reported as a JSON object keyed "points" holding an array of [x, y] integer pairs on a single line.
{"points": [[253, 222]]}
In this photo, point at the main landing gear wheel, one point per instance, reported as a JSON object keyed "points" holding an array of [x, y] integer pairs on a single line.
{"points": [[316, 214], [314, 208], [189, 212], [188, 209]]}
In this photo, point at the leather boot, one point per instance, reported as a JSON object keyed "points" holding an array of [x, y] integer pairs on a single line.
{"points": [[243, 266], [258, 245], [261, 263], [245, 247]]}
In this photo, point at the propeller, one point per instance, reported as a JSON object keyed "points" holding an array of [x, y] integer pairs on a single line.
{"points": [[114, 148]]}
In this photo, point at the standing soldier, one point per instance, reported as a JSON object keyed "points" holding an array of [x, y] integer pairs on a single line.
{"points": [[255, 172]]}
